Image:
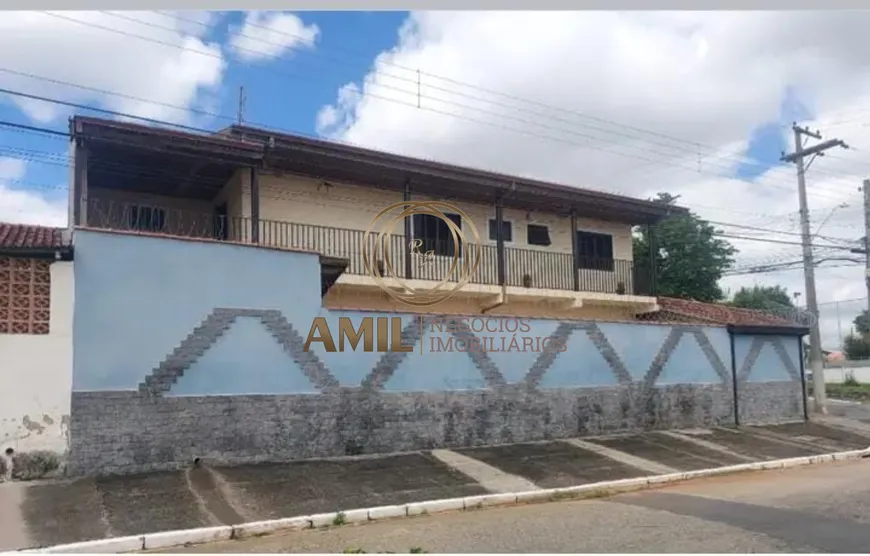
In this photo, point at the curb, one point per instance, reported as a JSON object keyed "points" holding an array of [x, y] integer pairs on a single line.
{"points": [[186, 537]]}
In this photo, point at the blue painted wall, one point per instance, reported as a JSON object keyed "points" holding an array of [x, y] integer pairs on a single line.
{"points": [[767, 358], [137, 298]]}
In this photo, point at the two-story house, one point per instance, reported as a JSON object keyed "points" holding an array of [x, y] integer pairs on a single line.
{"points": [[194, 314], [547, 250]]}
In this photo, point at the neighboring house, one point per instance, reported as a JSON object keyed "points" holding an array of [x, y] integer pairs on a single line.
{"points": [[36, 308], [563, 252]]}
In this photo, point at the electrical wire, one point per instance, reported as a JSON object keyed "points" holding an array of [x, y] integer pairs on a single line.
{"points": [[144, 171], [414, 80], [524, 130]]}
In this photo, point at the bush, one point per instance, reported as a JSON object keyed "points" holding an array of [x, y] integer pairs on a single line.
{"points": [[27, 466], [850, 379]]}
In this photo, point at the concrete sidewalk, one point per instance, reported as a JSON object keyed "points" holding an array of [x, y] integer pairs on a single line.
{"points": [[70, 511], [815, 509]]}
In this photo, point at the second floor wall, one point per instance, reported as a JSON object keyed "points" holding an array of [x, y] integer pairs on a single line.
{"points": [[288, 198], [331, 217]]}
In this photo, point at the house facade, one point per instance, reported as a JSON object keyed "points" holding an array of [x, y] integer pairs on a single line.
{"points": [[202, 262], [545, 250], [36, 311]]}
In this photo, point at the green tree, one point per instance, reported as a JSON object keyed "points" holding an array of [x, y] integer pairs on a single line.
{"points": [[862, 323], [690, 258], [855, 347], [762, 298]]}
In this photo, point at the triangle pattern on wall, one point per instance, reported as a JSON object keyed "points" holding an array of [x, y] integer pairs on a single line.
{"points": [[215, 325], [225, 369]]}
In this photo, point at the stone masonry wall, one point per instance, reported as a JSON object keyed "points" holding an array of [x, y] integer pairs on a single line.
{"points": [[126, 432]]}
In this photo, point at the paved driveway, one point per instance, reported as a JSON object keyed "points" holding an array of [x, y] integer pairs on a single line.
{"points": [[70, 511], [822, 508]]}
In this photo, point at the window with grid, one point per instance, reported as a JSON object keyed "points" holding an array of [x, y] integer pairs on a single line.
{"points": [[538, 234], [435, 234], [25, 296], [594, 251], [507, 231]]}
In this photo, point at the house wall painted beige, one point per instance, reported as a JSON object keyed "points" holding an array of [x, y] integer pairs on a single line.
{"points": [[373, 299], [291, 206], [297, 199], [287, 198]]}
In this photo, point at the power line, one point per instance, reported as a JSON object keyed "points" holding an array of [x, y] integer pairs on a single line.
{"points": [[525, 122], [63, 160], [132, 116], [105, 111], [65, 134], [780, 242], [728, 274], [691, 146], [771, 230]]}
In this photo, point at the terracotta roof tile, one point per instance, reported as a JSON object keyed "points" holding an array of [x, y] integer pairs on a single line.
{"points": [[713, 313], [27, 236]]}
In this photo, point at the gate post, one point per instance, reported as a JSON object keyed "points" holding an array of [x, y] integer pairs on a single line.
{"points": [[800, 340], [734, 378]]}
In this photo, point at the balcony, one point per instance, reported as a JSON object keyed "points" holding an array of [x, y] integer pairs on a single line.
{"points": [[523, 268]]}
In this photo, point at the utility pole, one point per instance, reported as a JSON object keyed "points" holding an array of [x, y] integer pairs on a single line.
{"points": [[867, 240], [866, 250], [242, 99], [798, 156], [839, 327]]}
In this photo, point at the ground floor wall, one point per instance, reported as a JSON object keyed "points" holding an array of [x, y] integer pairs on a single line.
{"points": [[214, 366], [341, 298], [36, 306], [131, 433], [769, 381]]}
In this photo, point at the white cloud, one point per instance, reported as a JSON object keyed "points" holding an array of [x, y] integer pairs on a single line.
{"points": [[268, 35], [24, 206], [12, 168], [701, 81], [101, 52]]}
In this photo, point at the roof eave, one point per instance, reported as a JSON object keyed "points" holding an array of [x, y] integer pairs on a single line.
{"points": [[769, 330], [99, 129], [57, 253], [649, 211]]}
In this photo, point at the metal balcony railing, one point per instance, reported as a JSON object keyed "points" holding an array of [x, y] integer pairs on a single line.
{"points": [[524, 268]]}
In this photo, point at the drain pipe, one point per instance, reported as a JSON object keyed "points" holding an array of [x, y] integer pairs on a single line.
{"points": [[503, 296], [502, 299]]}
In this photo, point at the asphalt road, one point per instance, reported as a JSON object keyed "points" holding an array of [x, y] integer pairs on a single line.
{"points": [[823, 508]]}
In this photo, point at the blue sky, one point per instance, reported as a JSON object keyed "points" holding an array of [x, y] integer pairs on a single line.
{"points": [[284, 93], [287, 92], [768, 141], [716, 85]]}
